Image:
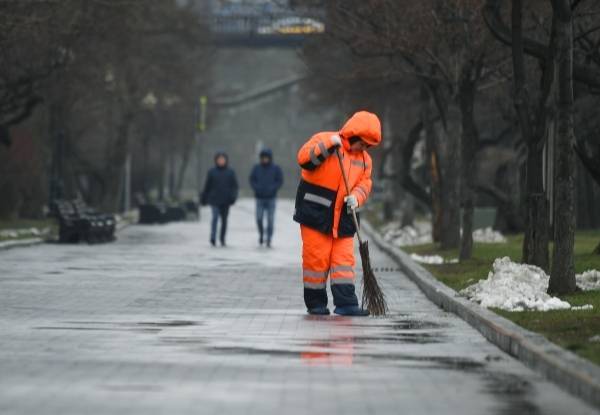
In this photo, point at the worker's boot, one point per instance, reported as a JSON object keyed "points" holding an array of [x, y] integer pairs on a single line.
{"points": [[318, 311], [351, 310]]}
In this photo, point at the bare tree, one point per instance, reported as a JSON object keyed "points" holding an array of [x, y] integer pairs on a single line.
{"points": [[562, 279], [93, 63]]}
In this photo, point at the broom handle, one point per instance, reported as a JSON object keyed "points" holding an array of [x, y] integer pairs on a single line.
{"points": [[339, 157]]}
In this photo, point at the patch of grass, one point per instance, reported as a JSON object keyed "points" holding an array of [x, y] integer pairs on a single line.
{"points": [[22, 224], [570, 329], [25, 223]]}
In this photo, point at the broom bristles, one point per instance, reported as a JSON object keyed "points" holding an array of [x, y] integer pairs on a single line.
{"points": [[373, 298]]}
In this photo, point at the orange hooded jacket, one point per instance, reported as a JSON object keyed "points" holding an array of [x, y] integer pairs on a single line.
{"points": [[320, 198]]}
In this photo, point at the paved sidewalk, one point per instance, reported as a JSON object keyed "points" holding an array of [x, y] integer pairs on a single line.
{"points": [[160, 322]]}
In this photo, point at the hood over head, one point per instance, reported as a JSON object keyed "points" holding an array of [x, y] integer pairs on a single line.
{"points": [[365, 125], [219, 154], [266, 152]]}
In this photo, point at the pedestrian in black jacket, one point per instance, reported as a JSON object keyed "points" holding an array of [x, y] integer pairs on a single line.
{"points": [[220, 192], [266, 179]]}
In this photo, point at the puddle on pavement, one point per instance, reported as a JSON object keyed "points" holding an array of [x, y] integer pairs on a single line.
{"points": [[407, 338], [18, 279], [403, 324], [141, 329], [345, 353], [513, 393], [132, 388], [239, 350], [169, 323], [139, 326]]}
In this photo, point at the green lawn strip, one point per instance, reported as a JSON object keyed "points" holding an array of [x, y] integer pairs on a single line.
{"points": [[20, 224], [571, 329]]}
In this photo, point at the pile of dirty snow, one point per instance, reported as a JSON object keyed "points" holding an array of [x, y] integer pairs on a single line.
{"points": [[432, 259], [589, 280], [20, 233], [514, 287], [418, 234], [488, 236]]}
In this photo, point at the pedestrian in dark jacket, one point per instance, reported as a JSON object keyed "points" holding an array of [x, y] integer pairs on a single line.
{"points": [[220, 192], [266, 179]]}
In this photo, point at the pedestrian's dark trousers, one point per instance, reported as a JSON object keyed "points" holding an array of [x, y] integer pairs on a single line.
{"points": [[223, 212], [265, 206]]}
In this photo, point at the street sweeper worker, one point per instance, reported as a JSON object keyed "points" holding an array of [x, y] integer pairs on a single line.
{"points": [[324, 211]]}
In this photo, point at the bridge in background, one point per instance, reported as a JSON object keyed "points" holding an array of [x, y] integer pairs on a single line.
{"points": [[264, 25]]}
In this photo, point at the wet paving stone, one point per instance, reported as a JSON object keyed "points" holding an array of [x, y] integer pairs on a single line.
{"points": [[159, 322]]}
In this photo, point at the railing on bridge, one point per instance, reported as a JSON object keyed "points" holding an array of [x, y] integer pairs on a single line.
{"points": [[264, 28]]}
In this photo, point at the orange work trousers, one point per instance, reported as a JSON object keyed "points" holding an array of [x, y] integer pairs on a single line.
{"points": [[325, 256]]}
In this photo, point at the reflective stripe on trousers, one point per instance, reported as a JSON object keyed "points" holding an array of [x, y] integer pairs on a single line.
{"points": [[314, 279], [342, 274]]}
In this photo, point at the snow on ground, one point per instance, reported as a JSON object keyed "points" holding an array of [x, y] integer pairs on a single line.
{"points": [[488, 236], [432, 259], [18, 233], [420, 233], [583, 307], [518, 287], [589, 280]]}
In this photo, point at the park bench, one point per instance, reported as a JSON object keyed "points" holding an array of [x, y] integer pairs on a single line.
{"points": [[79, 222], [151, 212], [161, 212], [103, 225]]}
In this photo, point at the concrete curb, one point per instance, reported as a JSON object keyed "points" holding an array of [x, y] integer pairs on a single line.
{"points": [[578, 376], [20, 243], [122, 223]]}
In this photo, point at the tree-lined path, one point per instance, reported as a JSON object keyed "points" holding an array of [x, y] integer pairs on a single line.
{"points": [[159, 322]]}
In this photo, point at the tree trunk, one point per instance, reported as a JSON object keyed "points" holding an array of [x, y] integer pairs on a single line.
{"points": [[404, 160], [537, 227], [162, 174], [183, 169], [171, 178], [562, 279], [116, 161], [432, 163], [449, 158], [145, 170], [469, 148], [535, 243], [443, 145], [537, 231], [408, 212]]}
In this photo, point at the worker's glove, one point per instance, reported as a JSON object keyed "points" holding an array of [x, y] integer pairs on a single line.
{"points": [[336, 140], [351, 203]]}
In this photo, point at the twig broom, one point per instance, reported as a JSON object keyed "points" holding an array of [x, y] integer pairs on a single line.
{"points": [[373, 298]]}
